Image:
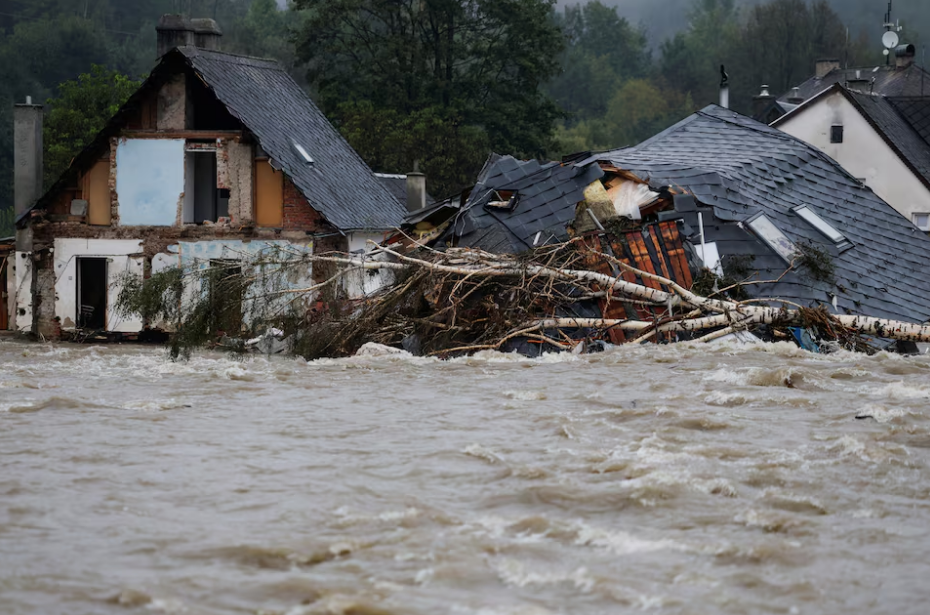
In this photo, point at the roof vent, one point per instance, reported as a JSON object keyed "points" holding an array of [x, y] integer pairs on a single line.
{"points": [[303, 152], [795, 98]]}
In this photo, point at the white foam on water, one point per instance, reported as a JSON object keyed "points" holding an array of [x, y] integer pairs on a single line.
{"points": [[620, 542], [153, 405], [170, 606], [525, 395], [459, 609], [727, 400], [479, 452], [898, 391], [516, 574], [881, 414]]}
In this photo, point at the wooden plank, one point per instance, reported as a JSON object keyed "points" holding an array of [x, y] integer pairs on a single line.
{"points": [[677, 251], [654, 236], [641, 257], [181, 134]]}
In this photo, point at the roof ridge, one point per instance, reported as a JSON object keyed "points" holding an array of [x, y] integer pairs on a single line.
{"points": [[219, 53]]}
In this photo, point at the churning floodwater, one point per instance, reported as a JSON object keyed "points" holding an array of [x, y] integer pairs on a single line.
{"points": [[673, 479]]}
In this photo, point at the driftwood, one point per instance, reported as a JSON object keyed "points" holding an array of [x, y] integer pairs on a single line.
{"points": [[686, 312], [464, 300]]}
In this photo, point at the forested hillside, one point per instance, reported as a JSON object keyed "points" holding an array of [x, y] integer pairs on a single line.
{"points": [[663, 18], [443, 82]]}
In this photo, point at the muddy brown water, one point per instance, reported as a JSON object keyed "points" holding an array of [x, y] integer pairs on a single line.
{"points": [[676, 479]]}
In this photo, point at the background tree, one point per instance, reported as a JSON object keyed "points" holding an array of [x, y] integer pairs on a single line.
{"points": [[81, 109], [473, 66]]}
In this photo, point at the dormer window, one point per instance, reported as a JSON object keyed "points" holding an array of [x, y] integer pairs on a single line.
{"points": [[836, 133]]}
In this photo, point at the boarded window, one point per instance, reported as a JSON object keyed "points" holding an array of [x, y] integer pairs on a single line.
{"points": [[97, 193], [269, 195]]}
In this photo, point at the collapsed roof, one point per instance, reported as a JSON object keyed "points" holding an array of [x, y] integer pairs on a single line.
{"points": [[517, 205], [764, 193]]}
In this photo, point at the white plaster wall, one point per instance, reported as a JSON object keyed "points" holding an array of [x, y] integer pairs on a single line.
{"points": [[123, 255], [863, 152], [362, 283], [262, 260], [20, 283]]}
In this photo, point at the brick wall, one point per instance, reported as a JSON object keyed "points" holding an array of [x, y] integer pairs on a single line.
{"points": [[298, 214]]}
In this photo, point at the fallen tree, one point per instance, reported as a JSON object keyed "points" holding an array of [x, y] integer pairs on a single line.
{"points": [[465, 300]]}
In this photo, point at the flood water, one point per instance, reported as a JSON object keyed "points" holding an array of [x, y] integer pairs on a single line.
{"points": [[677, 479]]}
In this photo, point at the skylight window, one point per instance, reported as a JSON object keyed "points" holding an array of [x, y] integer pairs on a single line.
{"points": [[820, 224], [303, 152], [772, 235]]}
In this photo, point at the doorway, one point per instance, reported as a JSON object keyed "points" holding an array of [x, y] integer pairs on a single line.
{"points": [[4, 308], [92, 293]]}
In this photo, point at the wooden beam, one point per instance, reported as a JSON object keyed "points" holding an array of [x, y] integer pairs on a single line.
{"points": [[182, 134]]}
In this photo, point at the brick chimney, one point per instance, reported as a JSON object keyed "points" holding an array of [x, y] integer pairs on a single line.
{"points": [[416, 189], [179, 31], [27, 155], [823, 67]]}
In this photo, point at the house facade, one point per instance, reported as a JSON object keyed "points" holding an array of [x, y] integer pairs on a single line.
{"points": [[217, 161], [878, 139]]}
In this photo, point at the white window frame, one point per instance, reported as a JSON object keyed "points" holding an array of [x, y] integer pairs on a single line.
{"points": [[925, 228], [823, 227], [772, 236]]}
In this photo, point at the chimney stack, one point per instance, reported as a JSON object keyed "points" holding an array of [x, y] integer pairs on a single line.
{"points": [[179, 31], [761, 102], [724, 88], [824, 67], [416, 189], [795, 98], [27, 155], [207, 33]]}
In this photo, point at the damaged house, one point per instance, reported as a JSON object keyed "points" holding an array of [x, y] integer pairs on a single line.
{"points": [[881, 140], [718, 193], [217, 160]]}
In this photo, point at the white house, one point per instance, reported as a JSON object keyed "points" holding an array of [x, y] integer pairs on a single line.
{"points": [[881, 140]]}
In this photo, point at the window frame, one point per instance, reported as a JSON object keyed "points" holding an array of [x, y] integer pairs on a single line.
{"points": [[925, 229], [761, 219], [821, 226]]}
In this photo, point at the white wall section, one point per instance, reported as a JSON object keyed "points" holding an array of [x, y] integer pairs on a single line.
{"points": [[123, 256], [149, 181]]}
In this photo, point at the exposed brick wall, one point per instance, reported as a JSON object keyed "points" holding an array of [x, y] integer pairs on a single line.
{"points": [[298, 214]]}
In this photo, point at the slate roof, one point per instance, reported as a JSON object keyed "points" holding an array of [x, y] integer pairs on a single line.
{"points": [[736, 168], [897, 132], [916, 110], [912, 80], [273, 106], [546, 197]]}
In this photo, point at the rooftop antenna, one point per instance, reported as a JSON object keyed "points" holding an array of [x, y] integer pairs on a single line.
{"points": [[890, 38]]}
